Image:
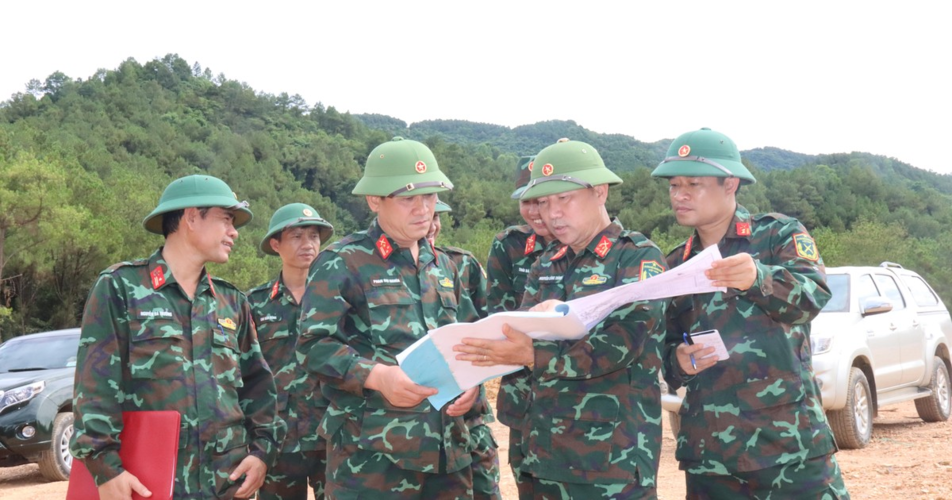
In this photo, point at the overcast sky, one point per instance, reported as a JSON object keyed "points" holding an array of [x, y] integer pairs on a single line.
{"points": [[811, 77]]}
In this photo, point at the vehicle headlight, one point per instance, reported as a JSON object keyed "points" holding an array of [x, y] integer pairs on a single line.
{"points": [[21, 394], [820, 345]]}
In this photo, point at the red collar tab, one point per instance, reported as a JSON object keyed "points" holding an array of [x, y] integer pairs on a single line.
{"points": [[530, 244], [687, 248], [274, 289], [743, 228], [604, 245], [383, 246], [158, 277], [561, 253]]}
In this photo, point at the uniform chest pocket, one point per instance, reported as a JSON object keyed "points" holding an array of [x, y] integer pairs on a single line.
{"points": [[391, 313], [226, 356], [158, 351]]}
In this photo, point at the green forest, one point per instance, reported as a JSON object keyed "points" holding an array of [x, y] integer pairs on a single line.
{"points": [[83, 160]]}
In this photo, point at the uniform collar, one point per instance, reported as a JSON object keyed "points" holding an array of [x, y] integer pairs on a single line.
{"points": [[738, 228], [386, 248], [599, 246], [160, 276]]}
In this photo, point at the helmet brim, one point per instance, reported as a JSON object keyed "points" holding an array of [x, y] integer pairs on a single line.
{"points": [[690, 168], [385, 186], [326, 230], [153, 222], [593, 177]]}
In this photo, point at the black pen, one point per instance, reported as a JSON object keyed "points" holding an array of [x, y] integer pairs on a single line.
{"points": [[687, 340]]}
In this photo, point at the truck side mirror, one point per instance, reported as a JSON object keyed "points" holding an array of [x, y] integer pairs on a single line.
{"points": [[875, 305]]}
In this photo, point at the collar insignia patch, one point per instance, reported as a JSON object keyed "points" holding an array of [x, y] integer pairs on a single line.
{"points": [[158, 277], [561, 253], [383, 246], [530, 244], [743, 229], [687, 248], [604, 245]]}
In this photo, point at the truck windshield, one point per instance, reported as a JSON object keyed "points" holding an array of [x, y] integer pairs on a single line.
{"points": [[840, 286], [40, 353]]}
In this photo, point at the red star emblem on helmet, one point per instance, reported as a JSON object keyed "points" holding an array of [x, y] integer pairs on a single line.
{"points": [[684, 151], [530, 165], [420, 167], [547, 169]]}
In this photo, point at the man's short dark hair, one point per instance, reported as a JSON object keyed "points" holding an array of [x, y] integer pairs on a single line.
{"points": [[170, 220]]}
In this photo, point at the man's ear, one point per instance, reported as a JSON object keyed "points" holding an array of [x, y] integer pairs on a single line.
{"points": [[190, 216], [275, 244], [373, 202], [731, 185], [601, 193]]}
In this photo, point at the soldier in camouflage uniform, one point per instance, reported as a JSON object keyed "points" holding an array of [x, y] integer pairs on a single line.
{"points": [[162, 334], [370, 296], [511, 255], [751, 426], [295, 234], [592, 424], [473, 278]]}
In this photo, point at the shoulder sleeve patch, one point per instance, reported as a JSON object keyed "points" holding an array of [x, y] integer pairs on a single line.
{"points": [[650, 268], [806, 247]]}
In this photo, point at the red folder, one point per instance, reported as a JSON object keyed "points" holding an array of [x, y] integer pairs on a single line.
{"points": [[149, 451]]}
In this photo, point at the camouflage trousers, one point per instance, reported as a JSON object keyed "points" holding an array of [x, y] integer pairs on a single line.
{"points": [[523, 481], [543, 489], [485, 464], [353, 473], [291, 474], [817, 478]]}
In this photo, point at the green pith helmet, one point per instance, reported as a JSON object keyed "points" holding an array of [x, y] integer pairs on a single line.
{"points": [[703, 153], [295, 215], [197, 191], [567, 166], [523, 173], [401, 167], [442, 207]]}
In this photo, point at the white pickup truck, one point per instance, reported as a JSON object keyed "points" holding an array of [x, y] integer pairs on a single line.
{"points": [[883, 338]]}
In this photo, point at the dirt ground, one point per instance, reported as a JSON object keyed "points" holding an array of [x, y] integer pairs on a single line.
{"points": [[907, 459]]}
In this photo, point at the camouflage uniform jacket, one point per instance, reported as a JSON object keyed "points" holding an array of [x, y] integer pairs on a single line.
{"points": [[472, 308], [595, 403], [146, 346], [511, 255], [760, 408], [366, 301], [277, 318]]}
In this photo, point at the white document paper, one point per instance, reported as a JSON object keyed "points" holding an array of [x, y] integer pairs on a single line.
{"points": [[711, 338], [435, 365], [562, 324], [686, 279]]}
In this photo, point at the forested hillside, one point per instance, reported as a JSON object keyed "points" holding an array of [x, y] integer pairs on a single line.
{"points": [[83, 160]]}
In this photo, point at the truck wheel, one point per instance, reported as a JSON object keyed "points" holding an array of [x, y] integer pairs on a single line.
{"points": [[853, 425], [936, 408], [56, 462]]}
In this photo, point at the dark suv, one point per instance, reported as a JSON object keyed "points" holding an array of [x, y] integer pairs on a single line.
{"points": [[36, 401]]}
